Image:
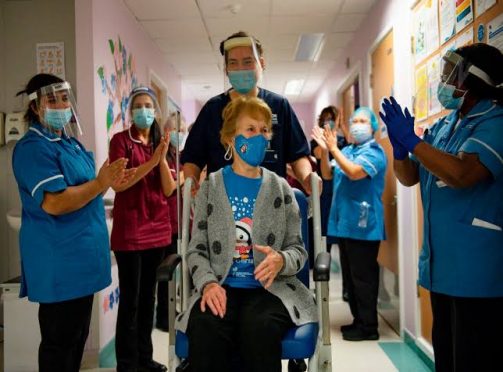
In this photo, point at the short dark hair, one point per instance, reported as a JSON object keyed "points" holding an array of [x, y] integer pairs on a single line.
{"points": [[489, 59], [36, 82], [258, 45]]}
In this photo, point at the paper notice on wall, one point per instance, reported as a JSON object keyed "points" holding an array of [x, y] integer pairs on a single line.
{"points": [[465, 38], [495, 32], [420, 34], [421, 102], [447, 20], [464, 14], [433, 69], [432, 34], [482, 5], [51, 59]]}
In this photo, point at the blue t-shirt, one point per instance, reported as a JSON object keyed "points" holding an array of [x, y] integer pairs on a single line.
{"points": [[288, 142], [66, 256], [242, 193]]}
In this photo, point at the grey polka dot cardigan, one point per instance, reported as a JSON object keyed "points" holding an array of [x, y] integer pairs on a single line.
{"points": [[276, 222]]}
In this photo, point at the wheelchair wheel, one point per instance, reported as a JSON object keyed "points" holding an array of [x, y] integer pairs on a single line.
{"points": [[297, 365]]}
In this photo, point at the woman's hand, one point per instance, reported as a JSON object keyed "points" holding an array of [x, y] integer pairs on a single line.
{"points": [[215, 297], [317, 135], [109, 174], [330, 138], [270, 266], [160, 151], [128, 176]]}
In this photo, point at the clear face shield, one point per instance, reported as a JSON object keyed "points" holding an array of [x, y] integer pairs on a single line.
{"points": [[242, 64], [143, 108], [57, 109]]}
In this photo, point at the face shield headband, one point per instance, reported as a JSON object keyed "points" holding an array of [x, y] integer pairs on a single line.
{"points": [[461, 70], [57, 109]]}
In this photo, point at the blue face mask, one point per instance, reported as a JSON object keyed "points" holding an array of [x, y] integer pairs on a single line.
{"points": [[331, 123], [177, 139], [251, 150], [361, 133], [445, 96], [57, 118], [143, 117], [242, 80]]}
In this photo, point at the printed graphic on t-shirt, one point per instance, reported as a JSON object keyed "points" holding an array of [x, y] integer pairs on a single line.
{"points": [[243, 264]]}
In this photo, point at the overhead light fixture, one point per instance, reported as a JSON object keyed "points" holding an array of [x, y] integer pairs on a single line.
{"points": [[294, 87], [309, 47]]}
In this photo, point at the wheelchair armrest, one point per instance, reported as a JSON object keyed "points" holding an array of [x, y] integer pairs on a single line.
{"points": [[321, 270], [167, 267]]}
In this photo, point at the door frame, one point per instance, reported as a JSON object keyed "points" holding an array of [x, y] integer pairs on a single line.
{"points": [[354, 72], [401, 262]]}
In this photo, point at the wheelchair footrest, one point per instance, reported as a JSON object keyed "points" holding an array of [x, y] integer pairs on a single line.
{"points": [[183, 367]]}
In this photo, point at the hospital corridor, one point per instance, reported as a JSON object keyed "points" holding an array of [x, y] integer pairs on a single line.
{"points": [[251, 185]]}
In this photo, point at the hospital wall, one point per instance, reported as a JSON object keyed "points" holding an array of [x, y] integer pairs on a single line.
{"points": [[384, 16], [98, 23], [23, 24]]}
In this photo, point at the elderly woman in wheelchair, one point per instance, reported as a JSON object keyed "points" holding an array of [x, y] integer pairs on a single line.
{"points": [[245, 251]]}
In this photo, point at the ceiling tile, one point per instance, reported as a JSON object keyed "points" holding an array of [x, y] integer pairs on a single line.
{"points": [[225, 8], [188, 28], [305, 7], [357, 6], [348, 22], [162, 9]]}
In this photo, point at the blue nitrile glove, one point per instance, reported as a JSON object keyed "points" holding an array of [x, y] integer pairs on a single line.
{"points": [[400, 125], [399, 152]]}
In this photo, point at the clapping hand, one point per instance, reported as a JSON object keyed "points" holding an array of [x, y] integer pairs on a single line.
{"points": [[400, 127]]}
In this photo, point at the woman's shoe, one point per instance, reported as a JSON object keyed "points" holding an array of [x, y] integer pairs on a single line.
{"points": [[359, 334], [152, 366]]}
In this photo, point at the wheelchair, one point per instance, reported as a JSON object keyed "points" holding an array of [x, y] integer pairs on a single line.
{"points": [[309, 341]]}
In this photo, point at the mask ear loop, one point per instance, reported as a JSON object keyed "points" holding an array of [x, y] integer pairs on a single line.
{"points": [[228, 153]]}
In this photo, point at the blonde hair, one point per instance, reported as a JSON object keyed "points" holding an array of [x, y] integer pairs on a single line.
{"points": [[251, 106]]}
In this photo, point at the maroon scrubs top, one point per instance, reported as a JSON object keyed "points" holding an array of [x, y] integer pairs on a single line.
{"points": [[141, 215]]}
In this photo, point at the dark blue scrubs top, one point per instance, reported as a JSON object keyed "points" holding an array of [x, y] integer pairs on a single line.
{"points": [[288, 143]]}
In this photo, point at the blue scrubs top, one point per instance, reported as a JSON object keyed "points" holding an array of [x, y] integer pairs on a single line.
{"points": [[357, 209], [288, 142], [462, 251], [67, 256]]}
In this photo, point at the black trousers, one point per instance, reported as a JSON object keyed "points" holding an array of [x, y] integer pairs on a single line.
{"points": [[163, 288], [252, 329], [64, 327], [361, 273], [467, 333], [135, 318]]}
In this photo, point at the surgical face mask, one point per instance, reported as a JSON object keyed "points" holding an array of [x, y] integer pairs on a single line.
{"points": [[242, 80], [331, 123], [143, 117], [251, 150], [177, 139], [360, 132], [57, 118], [445, 95]]}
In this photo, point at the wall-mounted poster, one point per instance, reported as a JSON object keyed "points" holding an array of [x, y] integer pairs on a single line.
{"points": [[465, 38], [421, 102], [482, 5], [495, 32], [447, 20], [420, 34], [464, 14], [51, 58], [432, 35], [433, 68]]}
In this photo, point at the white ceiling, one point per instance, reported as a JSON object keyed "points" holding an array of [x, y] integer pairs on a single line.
{"points": [[189, 33]]}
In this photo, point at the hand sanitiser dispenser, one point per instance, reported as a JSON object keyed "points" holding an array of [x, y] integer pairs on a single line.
{"points": [[15, 126]]}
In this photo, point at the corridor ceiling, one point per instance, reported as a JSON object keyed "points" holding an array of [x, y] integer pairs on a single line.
{"points": [[189, 32]]}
